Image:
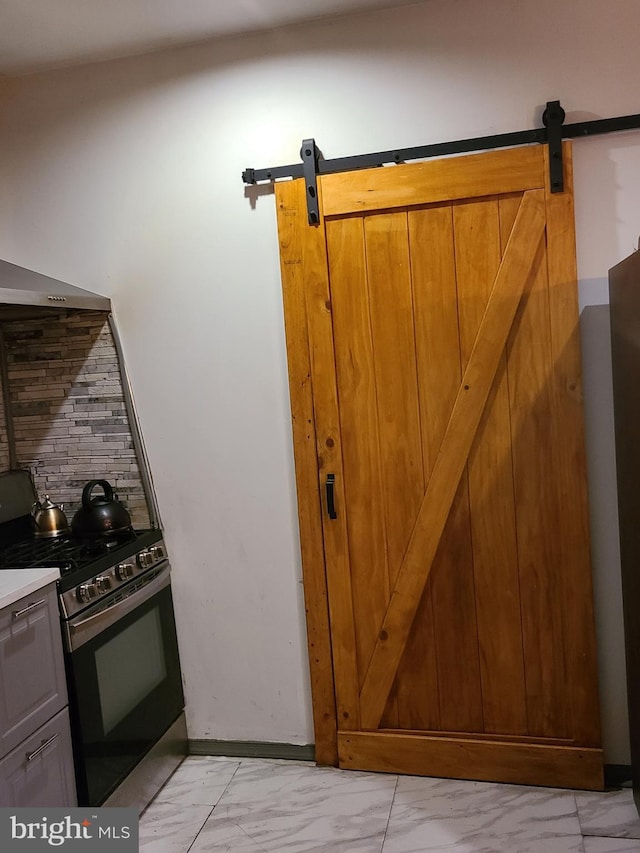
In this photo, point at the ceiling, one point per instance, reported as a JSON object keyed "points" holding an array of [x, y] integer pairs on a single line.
{"points": [[39, 35]]}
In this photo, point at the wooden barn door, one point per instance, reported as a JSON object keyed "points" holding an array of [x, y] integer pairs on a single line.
{"points": [[435, 383]]}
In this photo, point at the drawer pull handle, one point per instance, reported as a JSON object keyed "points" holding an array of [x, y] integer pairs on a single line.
{"points": [[41, 748], [18, 613]]}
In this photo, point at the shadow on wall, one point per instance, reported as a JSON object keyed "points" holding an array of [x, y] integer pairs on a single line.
{"points": [[603, 501], [605, 179], [67, 409], [254, 191]]}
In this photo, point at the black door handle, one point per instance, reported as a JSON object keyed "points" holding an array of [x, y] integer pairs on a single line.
{"points": [[331, 506]]}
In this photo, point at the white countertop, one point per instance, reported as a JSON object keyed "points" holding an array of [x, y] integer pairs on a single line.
{"points": [[16, 583]]}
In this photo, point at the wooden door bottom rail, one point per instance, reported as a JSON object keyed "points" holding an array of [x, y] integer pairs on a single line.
{"points": [[462, 758], [488, 736]]}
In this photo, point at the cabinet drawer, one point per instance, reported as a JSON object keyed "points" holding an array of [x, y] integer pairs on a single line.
{"points": [[39, 772], [32, 681]]}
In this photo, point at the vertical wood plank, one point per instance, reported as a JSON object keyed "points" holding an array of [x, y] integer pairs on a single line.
{"points": [[390, 297], [493, 524], [398, 416], [438, 357], [570, 459], [436, 322], [448, 601], [454, 621], [290, 206], [359, 431], [532, 410]]}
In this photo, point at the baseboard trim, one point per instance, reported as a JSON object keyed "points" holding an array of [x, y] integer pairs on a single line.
{"points": [[253, 749]]}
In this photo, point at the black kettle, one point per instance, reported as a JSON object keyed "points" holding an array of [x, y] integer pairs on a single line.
{"points": [[102, 515]]}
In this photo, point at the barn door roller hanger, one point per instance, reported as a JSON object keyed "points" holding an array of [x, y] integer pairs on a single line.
{"points": [[553, 132]]}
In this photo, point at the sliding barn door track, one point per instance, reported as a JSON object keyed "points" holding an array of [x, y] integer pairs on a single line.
{"points": [[552, 134]]}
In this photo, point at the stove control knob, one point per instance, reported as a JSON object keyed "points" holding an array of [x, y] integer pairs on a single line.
{"points": [[157, 552], [124, 571], [145, 559], [86, 592], [103, 584]]}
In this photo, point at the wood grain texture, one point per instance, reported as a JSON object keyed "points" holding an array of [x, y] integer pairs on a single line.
{"points": [[433, 181], [445, 624], [329, 461], [291, 213], [533, 415], [452, 457], [570, 460], [398, 416], [494, 572], [435, 644], [391, 311], [363, 478], [465, 758], [446, 400], [454, 622]]}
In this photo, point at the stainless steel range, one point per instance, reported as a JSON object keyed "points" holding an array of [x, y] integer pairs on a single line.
{"points": [[89, 568], [121, 655]]}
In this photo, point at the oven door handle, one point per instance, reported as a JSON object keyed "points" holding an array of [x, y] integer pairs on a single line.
{"points": [[79, 633]]}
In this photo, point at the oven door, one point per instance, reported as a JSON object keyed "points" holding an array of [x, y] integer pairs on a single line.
{"points": [[124, 682]]}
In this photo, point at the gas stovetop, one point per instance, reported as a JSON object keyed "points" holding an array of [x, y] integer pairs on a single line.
{"points": [[79, 560]]}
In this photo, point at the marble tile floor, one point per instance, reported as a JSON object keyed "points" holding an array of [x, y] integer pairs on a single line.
{"points": [[212, 805]]}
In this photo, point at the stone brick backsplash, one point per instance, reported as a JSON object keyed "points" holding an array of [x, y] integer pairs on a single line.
{"points": [[4, 445], [68, 410]]}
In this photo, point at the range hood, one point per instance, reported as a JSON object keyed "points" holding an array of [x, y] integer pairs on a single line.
{"points": [[25, 294]]}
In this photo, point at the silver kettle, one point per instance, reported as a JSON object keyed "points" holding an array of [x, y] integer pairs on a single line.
{"points": [[49, 519]]}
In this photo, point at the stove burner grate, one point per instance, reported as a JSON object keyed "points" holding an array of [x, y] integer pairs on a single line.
{"points": [[63, 552]]}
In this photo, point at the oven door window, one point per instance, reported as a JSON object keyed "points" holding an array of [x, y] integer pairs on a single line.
{"points": [[125, 692], [129, 667]]}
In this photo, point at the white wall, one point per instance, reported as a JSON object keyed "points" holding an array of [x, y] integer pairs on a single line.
{"points": [[124, 177]]}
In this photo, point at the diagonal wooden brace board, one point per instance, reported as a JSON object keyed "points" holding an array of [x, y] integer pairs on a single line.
{"points": [[508, 287]]}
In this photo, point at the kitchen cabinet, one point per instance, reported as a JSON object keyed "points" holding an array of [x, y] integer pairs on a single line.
{"points": [[31, 666], [35, 747], [39, 772]]}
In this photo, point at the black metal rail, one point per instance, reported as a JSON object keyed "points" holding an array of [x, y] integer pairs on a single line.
{"points": [[553, 132]]}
